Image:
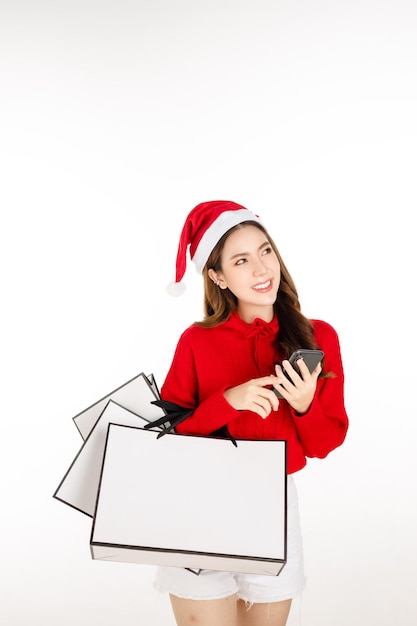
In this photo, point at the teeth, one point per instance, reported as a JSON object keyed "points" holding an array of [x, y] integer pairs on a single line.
{"points": [[263, 285]]}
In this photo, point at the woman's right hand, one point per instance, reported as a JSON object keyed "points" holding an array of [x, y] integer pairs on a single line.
{"points": [[254, 396]]}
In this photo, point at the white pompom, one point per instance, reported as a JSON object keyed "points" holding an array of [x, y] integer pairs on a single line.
{"points": [[176, 289]]}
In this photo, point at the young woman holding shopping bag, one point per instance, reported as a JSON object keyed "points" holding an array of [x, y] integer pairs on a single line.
{"points": [[232, 371]]}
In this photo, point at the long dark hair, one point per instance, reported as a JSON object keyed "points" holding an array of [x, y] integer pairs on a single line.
{"points": [[295, 330]]}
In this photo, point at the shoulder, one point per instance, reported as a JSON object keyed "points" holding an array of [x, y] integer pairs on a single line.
{"points": [[196, 334], [196, 331], [328, 340], [324, 332], [323, 328]]}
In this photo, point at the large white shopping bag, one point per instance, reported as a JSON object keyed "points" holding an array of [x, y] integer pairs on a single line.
{"points": [[193, 502]]}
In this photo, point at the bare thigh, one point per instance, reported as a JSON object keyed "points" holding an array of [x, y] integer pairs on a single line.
{"points": [[263, 614], [222, 612]]}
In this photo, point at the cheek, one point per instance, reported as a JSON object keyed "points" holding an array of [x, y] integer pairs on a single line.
{"points": [[237, 284], [276, 266], [278, 273]]}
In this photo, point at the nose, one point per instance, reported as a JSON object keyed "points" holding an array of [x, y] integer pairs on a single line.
{"points": [[259, 267]]}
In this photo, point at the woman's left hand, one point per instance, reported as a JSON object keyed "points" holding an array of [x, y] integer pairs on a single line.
{"points": [[300, 394]]}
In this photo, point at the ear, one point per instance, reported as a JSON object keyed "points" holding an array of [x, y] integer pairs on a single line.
{"points": [[217, 278], [212, 275]]}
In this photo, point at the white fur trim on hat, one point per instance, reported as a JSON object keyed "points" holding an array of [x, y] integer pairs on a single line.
{"points": [[215, 232]]}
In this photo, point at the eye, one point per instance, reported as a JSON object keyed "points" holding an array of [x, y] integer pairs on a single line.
{"points": [[240, 261], [267, 250]]}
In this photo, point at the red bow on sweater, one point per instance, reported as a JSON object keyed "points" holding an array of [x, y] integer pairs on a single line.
{"points": [[260, 328]]}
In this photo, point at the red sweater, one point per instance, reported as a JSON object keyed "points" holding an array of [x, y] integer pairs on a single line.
{"points": [[209, 360]]}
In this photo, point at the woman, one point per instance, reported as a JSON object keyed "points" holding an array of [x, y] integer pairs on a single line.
{"points": [[225, 371]]}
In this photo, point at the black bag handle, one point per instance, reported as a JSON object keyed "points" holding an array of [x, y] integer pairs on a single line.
{"points": [[176, 414]]}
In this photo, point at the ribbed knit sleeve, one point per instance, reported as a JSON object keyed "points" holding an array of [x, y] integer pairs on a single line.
{"points": [[185, 385], [324, 426]]}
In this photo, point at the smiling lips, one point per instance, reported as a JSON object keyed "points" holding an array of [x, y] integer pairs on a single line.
{"points": [[263, 286]]}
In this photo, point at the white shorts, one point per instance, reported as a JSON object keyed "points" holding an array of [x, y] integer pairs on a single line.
{"points": [[252, 588]]}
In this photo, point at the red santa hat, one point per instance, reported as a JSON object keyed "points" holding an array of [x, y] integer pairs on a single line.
{"points": [[204, 227]]}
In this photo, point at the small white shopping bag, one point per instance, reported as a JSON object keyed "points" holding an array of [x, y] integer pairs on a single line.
{"points": [[136, 395], [79, 486]]}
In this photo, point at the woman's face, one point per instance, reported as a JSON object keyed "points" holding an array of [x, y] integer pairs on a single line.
{"points": [[250, 269]]}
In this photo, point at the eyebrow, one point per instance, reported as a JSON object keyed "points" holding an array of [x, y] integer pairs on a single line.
{"points": [[239, 254]]}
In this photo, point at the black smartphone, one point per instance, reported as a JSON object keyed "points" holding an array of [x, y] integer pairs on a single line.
{"points": [[310, 357]]}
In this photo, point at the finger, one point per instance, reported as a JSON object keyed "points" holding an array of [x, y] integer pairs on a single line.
{"points": [[261, 407], [292, 373], [271, 397], [264, 381], [305, 372], [284, 386], [316, 371], [300, 375], [279, 390], [267, 400]]}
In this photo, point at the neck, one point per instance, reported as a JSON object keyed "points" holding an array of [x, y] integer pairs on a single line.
{"points": [[249, 315]]}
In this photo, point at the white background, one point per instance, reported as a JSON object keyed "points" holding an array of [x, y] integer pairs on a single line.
{"points": [[116, 119]]}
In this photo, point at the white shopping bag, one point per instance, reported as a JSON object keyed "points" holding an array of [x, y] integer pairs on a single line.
{"points": [[136, 395], [193, 502]]}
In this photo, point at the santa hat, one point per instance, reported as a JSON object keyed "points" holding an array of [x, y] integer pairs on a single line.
{"points": [[203, 228]]}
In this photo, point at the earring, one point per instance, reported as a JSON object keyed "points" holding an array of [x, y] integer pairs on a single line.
{"points": [[217, 283]]}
